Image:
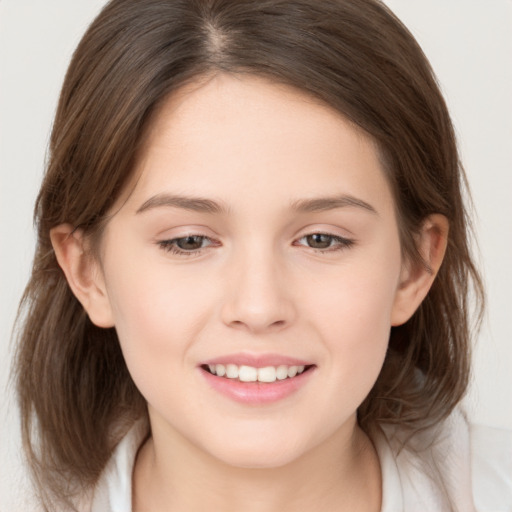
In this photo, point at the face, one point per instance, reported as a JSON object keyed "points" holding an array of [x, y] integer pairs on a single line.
{"points": [[259, 238]]}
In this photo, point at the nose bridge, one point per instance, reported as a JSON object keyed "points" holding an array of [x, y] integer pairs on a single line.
{"points": [[257, 299]]}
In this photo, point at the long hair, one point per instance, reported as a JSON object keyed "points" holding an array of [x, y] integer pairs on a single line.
{"points": [[76, 396]]}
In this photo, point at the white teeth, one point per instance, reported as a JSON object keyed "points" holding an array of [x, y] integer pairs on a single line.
{"points": [[282, 372], [232, 371], [248, 374], [267, 374], [251, 374], [292, 371]]}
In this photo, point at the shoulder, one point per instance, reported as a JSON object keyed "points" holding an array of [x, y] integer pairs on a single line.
{"points": [[451, 466]]}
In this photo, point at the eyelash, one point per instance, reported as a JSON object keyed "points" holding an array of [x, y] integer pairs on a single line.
{"points": [[171, 246]]}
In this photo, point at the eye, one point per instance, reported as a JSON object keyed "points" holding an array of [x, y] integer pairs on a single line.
{"points": [[325, 242], [186, 245]]}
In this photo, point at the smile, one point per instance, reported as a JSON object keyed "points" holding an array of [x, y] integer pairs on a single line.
{"points": [[245, 373], [256, 380]]}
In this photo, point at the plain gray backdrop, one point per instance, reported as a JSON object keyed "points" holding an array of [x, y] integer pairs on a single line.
{"points": [[469, 43]]}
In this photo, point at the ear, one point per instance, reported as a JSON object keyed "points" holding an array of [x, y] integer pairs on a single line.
{"points": [[416, 279], [83, 273]]}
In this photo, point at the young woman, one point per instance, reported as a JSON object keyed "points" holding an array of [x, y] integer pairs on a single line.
{"points": [[250, 290]]}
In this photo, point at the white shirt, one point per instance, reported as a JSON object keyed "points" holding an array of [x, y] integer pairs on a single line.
{"points": [[475, 464]]}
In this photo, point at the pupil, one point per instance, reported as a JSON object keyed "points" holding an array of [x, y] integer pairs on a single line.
{"points": [[190, 243], [319, 241]]}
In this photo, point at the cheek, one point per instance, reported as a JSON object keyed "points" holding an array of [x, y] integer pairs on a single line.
{"points": [[157, 317], [354, 315], [358, 299]]}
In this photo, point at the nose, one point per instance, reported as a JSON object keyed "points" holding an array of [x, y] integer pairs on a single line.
{"points": [[258, 297]]}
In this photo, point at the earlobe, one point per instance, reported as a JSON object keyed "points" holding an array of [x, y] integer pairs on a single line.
{"points": [[83, 273], [416, 279]]}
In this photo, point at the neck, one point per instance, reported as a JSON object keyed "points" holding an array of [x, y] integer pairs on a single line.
{"points": [[342, 474]]}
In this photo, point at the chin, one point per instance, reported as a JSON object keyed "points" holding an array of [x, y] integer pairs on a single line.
{"points": [[248, 453]]}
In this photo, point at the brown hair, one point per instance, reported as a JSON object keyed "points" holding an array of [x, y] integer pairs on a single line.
{"points": [[76, 395]]}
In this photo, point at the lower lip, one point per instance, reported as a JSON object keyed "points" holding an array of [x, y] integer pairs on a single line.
{"points": [[257, 392]]}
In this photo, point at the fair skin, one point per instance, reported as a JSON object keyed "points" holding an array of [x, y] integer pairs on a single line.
{"points": [[299, 258]]}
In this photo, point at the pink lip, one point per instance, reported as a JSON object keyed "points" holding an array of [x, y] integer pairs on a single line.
{"points": [[257, 360], [254, 393]]}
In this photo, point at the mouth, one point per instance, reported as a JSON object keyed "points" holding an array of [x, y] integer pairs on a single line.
{"points": [[266, 374], [257, 379]]}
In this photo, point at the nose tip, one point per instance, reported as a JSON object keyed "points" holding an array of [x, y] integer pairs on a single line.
{"points": [[258, 325], [258, 302]]}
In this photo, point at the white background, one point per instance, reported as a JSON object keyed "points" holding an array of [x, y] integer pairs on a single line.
{"points": [[469, 43]]}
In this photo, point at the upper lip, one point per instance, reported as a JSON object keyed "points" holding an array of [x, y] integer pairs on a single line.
{"points": [[257, 360]]}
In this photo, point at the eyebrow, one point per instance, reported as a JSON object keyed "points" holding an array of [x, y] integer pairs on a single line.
{"points": [[321, 204], [196, 204], [203, 205]]}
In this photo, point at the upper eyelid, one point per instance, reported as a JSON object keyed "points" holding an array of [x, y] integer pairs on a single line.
{"points": [[176, 238], [344, 241], [326, 233], [320, 232], [213, 239], [309, 233]]}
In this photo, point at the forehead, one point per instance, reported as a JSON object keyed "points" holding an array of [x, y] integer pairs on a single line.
{"points": [[219, 136]]}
